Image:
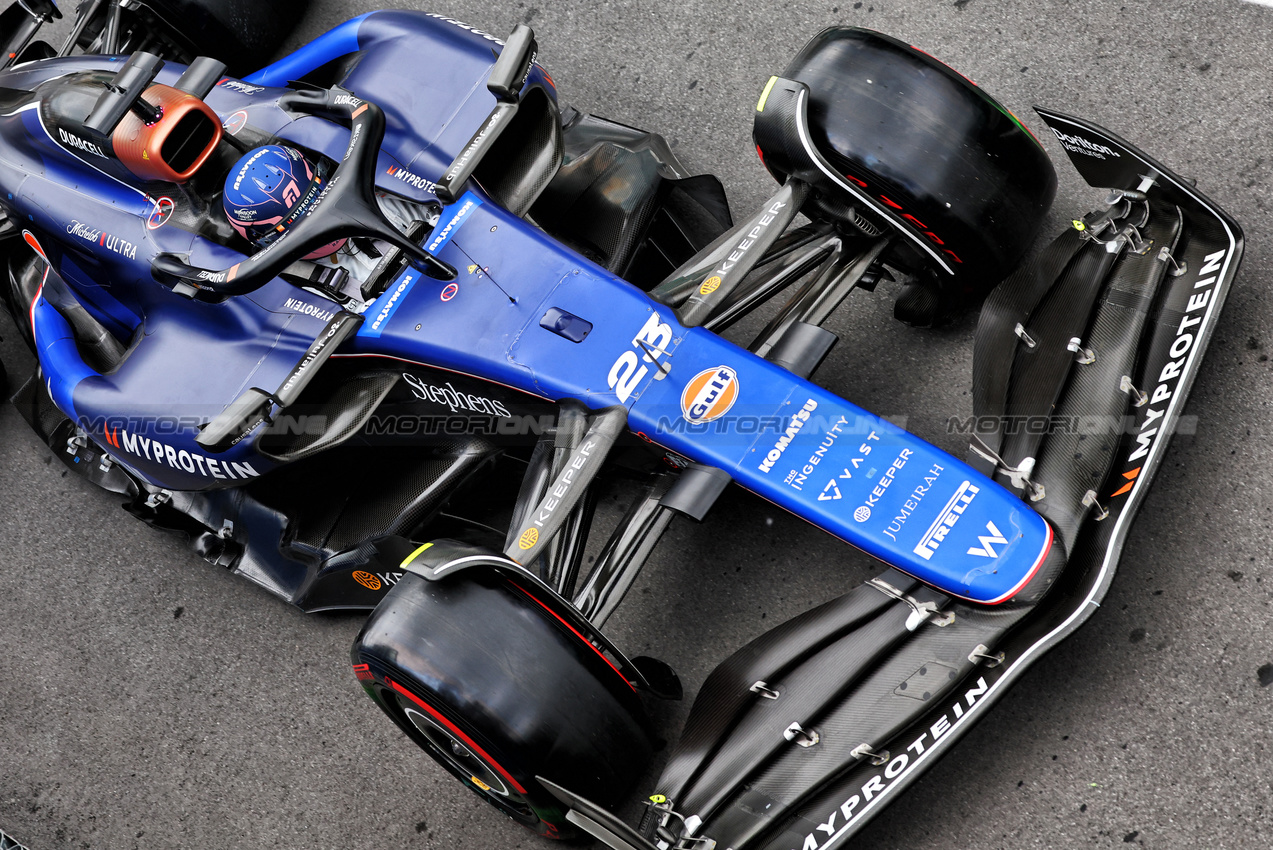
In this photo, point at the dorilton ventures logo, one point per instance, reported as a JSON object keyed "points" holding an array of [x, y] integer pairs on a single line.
{"points": [[1078, 144]]}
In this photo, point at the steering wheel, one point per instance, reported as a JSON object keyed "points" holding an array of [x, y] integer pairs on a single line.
{"points": [[346, 208]]}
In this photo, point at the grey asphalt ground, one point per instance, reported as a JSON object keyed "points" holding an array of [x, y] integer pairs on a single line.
{"points": [[150, 700]]}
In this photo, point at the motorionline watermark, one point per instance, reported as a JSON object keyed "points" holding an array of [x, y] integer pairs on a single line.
{"points": [[405, 425], [1085, 425]]}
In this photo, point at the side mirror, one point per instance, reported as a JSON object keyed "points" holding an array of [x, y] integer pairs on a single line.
{"points": [[123, 93], [199, 78], [513, 64], [243, 414]]}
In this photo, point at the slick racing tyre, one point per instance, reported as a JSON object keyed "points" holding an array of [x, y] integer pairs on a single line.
{"points": [[929, 147], [498, 690]]}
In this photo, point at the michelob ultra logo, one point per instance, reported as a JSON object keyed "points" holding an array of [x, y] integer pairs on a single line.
{"points": [[709, 394]]}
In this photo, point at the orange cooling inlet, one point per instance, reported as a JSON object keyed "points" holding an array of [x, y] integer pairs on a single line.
{"points": [[174, 147]]}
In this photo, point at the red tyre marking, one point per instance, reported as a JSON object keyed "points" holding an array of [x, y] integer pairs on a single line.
{"points": [[577, 634], [894, 204], [455, 730]]}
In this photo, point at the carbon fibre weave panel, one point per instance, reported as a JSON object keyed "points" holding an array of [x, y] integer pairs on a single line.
{"points": [[995, 345], [1072, 460]]}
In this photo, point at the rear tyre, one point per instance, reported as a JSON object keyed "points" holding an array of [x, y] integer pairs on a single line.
{"points": [[932, 148], [498, 691]]}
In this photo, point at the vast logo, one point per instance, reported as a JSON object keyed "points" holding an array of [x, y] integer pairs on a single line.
{"points": [[709, 394], [946, 520]]}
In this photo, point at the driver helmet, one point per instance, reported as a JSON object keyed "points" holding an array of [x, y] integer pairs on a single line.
{"points": [[268, 191]]}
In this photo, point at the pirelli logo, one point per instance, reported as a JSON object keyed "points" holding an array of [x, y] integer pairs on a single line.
{"points": [[946, 520]]}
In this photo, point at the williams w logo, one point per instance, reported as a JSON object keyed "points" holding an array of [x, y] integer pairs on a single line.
{"points": [[989, 542]]}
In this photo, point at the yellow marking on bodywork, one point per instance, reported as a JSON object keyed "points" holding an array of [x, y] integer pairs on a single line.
{"points": [[413, 556], [764, 95]]}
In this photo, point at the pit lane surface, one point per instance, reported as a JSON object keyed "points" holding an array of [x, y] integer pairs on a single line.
{"points": [[148, 699]]}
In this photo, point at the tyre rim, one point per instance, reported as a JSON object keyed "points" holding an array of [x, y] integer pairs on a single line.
{"points": [[462, 759]]}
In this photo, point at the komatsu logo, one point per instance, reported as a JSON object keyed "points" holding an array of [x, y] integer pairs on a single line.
{"points": [[1078, 144], [946, 520], [453, 225], [388, 309], [988, 542], [243, 172], [793, 428]]}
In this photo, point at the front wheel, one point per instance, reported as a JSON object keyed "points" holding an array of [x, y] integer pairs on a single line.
{"points": [[497, 690], [931, 154]]}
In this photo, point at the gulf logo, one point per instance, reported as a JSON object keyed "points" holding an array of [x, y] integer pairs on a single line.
{"points": [[709, 394]]}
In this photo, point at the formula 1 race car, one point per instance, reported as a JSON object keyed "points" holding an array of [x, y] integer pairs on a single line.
{"points": [[373, 338]]}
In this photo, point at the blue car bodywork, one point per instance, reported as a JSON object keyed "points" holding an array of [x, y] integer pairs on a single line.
{"points": [[850, 473]]}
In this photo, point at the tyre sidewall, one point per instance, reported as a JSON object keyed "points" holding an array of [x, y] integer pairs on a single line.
{"points": [[478, 655]]}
